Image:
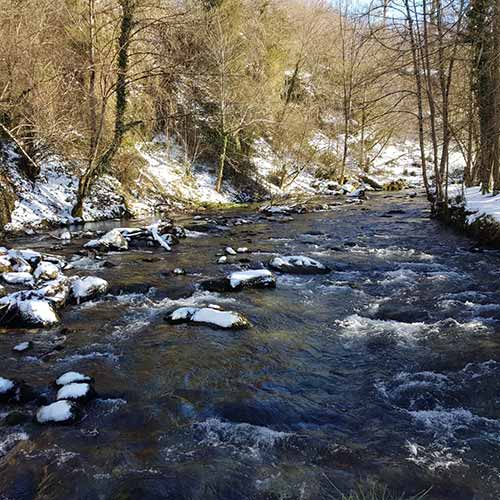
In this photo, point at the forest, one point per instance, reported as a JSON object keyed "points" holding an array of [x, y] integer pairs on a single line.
{"points": [[87, 80]]}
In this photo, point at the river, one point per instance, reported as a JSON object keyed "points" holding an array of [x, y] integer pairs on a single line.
{"points": [[387, 369]]}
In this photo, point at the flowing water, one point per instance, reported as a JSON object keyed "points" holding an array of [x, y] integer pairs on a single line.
{"points": [[386, 369]]}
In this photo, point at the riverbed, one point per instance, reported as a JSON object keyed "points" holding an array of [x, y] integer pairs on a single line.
{"points": [[387, 369]]}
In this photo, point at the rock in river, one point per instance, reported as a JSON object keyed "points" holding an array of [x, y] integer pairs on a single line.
{"points": [[76, 391], [60, 412], [72, 377], [46, 271], [18, 278], [112, 240], [83, 289], [298, 264], [254, 278], [209, 316]]}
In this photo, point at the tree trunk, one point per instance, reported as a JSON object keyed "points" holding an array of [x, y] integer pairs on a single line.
{"points": [[99, 165], [222, 163]]}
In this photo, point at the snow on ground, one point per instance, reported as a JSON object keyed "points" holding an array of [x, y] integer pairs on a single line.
{"points": [[482, 205], [51, 198], [176, 178]]}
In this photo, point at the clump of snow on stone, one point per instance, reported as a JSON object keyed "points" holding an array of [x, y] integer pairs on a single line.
{"points": [[230, 251], [112, 240], [38, 312], [18, 278], [239, 278], [46, 271], [74, 391], [87, 288], [298, 263], [6, 385], [72, 377], [210, 316], [60, 411]]}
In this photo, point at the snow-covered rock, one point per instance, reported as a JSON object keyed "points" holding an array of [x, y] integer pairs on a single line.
{"points": [[230, 251], [28, 255], [112, 240], [71, 378], [179, 271], [60, 412], [18, 278], [298, 264], [7, 389], [14, 391], [222, 260], [209, 316], [46, 271], [38, 313], [76, 391], [83, 289], [254, 278], [242, 250], [23, 346], [65, 236]]}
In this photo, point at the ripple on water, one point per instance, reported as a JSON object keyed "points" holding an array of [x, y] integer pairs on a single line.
{"points": [[248, 438]]}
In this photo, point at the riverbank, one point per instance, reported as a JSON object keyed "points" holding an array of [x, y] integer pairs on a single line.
{"points": [[163, 181], [475, 214]]}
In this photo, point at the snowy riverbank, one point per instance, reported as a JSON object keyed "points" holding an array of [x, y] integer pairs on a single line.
{"points": [[167, 180], [477, 214]]}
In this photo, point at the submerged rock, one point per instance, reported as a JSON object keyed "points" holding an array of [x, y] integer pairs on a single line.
{"points": [[23, 346], [60, 412], [76, 391], [298, 264], [255, 278], [209, 316], [84, 289]]}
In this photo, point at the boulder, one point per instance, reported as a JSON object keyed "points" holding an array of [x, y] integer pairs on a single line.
{"points": [[46, 271], [18, 278], [7, 389], [14, 391], [76, 391], [254, 278], [88, 288], [112, 240], [37, 313], [60, 412], [210, 316], [298, 264]]}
